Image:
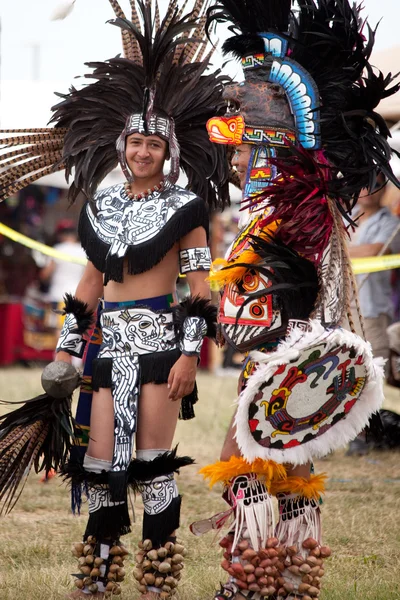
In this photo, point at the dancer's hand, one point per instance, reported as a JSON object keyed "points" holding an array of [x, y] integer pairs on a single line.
{"points": [[182, 377], [64, 356]]}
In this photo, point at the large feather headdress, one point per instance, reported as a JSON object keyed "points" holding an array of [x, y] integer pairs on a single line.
{"points": [[161, 77]]}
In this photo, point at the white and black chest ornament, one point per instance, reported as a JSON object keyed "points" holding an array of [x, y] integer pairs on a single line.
{"points": [[113, 228]]}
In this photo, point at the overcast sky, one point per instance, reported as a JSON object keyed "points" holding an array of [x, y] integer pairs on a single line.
{"points": [[33, 48]]}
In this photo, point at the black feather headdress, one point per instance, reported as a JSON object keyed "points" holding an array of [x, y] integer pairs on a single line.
{"points": [[162, 72], [331, 42]]}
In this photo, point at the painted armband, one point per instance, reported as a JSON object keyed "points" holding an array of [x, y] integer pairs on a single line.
{"points": [[196, 318], [78, 319], [194, 259]]}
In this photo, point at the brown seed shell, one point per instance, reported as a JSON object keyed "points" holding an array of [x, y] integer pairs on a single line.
{"points": [[313, 592], [294, 569], [305, 569], [312, 561], [115, 551], [146, 565], [250, 569], [111, 576], [149, 578], [272, 542], [307, 579], [98, 561], [304, 587], [321, 572], [176, 559], [259, 572], [288, 585], [85, 570], [314, 571], [164, 567], [177, 567], [79, 584], [249, 554], [153, 554], [147, 545], [82, 561], [159, 582], [291, 550], [95, 572], [88, 549], [243, 545], [113, 568], [254, 587], [156, 564], [171, 581], [142, 588], [161, 553], [297, 560], [116, 590], [325, 551], [310, 543], [137, 573]]}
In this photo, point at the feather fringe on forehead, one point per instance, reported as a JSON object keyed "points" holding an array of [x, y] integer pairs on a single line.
{"points": [[165, 56]]}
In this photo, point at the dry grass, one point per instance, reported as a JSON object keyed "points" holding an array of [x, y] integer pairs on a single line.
{"points": [[361, 515]]}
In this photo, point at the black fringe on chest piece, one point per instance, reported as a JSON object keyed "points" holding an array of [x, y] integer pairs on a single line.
{"points": [[144, 256]]}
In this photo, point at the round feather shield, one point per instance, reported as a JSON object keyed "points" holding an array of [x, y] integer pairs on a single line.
{"points": [[310, 397]]}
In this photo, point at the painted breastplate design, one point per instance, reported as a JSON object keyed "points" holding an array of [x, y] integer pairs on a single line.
{"points": [[121, 222]]}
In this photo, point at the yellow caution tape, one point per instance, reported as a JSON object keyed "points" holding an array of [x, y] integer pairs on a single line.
{"points": [[372, 264], [34, 245]]}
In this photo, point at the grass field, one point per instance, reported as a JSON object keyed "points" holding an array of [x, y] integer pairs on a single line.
{"points": [[361, 515]]}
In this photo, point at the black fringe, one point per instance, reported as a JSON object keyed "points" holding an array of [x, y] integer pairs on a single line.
{"points": [[196, 307], [158, 528], [146, 470], [101, 373], [187, 410], [81, 312], [118, 483], [154, 368], [109, 522], [145, 256], [73, 473]]}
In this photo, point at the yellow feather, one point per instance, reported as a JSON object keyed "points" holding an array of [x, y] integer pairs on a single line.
{"points": [[308, 488], [225, 470]]}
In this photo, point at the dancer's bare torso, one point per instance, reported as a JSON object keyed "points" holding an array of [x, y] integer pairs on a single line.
{"points": [[159, 281]]}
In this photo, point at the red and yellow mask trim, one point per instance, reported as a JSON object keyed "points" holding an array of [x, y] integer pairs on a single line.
{"points": [[226, 130]]}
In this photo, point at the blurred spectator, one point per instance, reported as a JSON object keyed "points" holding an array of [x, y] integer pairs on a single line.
{"points": [[59, 276], [376, 225]]}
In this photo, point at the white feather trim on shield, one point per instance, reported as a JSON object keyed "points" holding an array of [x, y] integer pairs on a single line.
{"points": [[311, 396]]}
